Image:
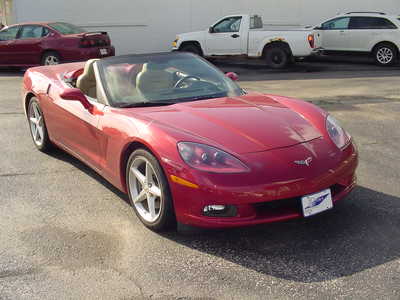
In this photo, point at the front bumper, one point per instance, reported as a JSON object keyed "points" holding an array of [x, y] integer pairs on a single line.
{"points": [[259, 201]]}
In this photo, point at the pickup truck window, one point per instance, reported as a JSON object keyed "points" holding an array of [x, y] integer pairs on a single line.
{"points": [[231, 24], [337, 24], [256, 22], [371, 23]]}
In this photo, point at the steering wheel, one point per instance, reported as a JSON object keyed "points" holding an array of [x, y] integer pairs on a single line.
{"points": [[180, 81]]}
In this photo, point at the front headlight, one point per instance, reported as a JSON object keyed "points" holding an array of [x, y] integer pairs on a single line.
{"points": [[337, 134], [206, 158]]}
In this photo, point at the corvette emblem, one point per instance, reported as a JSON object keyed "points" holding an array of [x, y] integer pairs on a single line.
{"points": [[307, 162]]}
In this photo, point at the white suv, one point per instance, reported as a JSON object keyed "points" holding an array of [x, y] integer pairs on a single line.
{"points": [[372, 32]]}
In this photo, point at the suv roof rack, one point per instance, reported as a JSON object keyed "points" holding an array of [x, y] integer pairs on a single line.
{"points": [[366, 12]]}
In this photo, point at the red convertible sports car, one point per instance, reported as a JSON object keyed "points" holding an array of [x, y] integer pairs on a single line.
{"points": [[33, 44], [187, 144]]}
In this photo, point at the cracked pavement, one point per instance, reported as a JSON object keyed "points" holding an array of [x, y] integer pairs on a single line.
{"points": [[65, 233]]}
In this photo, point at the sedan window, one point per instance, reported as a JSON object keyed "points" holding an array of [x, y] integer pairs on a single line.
{"points": [[31, 32], [9, 33], [66, 28], [337, 24]]}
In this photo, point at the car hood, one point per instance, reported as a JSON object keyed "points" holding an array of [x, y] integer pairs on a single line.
{"points": [[245, 124]]}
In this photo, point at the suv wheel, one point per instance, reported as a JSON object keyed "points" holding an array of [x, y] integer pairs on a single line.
{"points": [[385, 55]]}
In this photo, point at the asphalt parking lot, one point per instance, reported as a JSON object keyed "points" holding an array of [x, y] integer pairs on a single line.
{"points": [[65, 233]]}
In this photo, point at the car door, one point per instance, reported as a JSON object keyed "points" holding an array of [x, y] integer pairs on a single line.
{"points": [[8, 37], [28, 46], [75, 127], [225, 37], [365, 30], [334, 34]]}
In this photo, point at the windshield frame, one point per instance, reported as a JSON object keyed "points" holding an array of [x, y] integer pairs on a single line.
{"points": [[128, 59]]}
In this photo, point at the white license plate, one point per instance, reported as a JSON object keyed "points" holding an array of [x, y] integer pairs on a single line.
{"points": [[315, 203], [103, 51]]}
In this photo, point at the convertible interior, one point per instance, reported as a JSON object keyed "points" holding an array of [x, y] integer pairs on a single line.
{"points": [[128, 83]]}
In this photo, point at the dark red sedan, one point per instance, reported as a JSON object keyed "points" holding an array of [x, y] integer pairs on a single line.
{"points": [[33, 44], [187, 144]]}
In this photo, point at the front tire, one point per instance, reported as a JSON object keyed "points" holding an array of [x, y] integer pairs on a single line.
{"points": [[148, 191], [276, 57], [385, 55], [37, 126]]}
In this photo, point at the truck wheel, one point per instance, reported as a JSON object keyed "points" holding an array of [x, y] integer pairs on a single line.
{"points": [[385, 54], [277, 57], [191, 48]]}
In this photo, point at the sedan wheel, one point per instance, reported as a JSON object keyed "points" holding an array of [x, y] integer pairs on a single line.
{"points": [[385, 55], [50, 59], [148, 191], [37, 125]]}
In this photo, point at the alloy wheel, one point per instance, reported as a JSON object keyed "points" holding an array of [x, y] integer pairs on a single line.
{"points": [[385, 55], [36, 123], [144, 186]]}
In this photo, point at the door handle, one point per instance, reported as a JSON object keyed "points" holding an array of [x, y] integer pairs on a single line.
{"points": [[235, 36]]}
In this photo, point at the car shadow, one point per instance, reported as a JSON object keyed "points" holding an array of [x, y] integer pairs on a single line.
{"points": [[65, 157], [360, 233]]}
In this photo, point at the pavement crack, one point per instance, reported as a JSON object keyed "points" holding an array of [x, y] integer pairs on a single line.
{"points": [[35, 173], [121, 273]]}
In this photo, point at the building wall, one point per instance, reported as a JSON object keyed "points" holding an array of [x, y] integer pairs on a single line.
{"points": [[6, 11], [138, 26]]}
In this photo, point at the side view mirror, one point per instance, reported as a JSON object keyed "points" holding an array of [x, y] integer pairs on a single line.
{"points": [[74, 94], [211, 30], [318, 28], [232, 75]]}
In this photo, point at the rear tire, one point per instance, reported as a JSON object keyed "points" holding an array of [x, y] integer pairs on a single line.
{"points": [[385, 55], [51, 58], [277, 57], [149, 192], [191, 48]]}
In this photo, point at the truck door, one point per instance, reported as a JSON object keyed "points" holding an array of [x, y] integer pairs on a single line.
{"points": [[226, 37]]}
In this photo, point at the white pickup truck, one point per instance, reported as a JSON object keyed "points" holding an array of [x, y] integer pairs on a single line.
{"points": [[245, 35]]}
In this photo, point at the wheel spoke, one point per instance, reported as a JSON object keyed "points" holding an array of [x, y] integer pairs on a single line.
{"points": [[139, 176], [141, 197], [33, 120], [40, 131], [152, 206], [155, 191], [36, 135], [36, 112], [149, 173]]}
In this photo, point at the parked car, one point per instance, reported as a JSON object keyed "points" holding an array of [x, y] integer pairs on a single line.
{"points": [[362, 32], [245, 35], [187, 144], [36, 44]]}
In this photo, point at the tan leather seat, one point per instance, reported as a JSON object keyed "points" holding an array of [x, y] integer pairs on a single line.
{"points": [[153, 78], [87, 81]]}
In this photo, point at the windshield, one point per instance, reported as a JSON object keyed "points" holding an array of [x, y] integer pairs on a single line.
{"points": [[162, 79], [66, 28]]}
